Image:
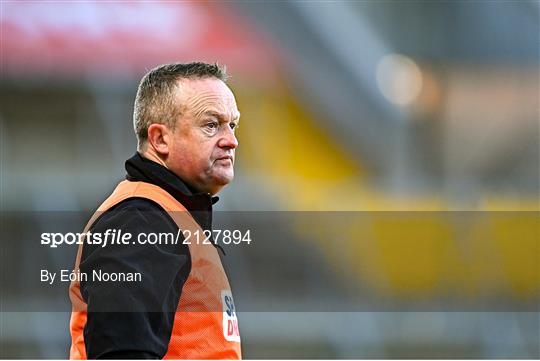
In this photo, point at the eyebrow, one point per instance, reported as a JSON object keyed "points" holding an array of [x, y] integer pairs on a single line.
{"points": [[221, 117]]}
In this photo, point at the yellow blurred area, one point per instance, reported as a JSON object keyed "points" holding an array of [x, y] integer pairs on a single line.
{"points": [[410, 254], [280, 140], [400, 246]]}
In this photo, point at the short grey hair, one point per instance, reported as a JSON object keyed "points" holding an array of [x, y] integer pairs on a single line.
{"points": [[155, 100]]}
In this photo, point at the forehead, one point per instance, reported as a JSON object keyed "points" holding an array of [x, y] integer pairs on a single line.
{"points": [[206, 95]]}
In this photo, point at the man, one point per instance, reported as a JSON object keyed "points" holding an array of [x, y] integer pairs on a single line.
{"points": [[185, 119]]}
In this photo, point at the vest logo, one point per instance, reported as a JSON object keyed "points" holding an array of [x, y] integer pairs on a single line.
{"points": [[230, 321]]}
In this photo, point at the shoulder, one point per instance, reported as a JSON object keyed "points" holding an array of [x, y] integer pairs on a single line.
{"points": [[135, 216], [136, 212]]}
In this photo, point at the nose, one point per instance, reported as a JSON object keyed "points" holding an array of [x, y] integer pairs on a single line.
{"points": [[228, 139]]}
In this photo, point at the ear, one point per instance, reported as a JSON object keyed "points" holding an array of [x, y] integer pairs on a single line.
{"points": [[159, 138]]}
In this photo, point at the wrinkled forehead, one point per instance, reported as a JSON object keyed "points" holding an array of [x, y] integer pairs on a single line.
{"points": [[199, 96]]}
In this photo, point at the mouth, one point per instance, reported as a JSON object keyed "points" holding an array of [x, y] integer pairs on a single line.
{"points": [[225, 159]]}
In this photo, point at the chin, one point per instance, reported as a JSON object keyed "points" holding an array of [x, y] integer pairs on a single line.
{"points": [[220, 178], [224, 180]]}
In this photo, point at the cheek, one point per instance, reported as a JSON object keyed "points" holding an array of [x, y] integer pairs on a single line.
{"points": [[192, 155], [206, 149]]}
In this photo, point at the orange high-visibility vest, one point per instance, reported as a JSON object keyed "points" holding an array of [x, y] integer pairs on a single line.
{"points": [[204, 327]]}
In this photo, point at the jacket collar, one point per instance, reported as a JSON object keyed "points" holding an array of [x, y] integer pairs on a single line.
{"points": [[141, 169]]}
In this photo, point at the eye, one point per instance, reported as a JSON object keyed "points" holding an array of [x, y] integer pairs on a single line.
{"points": [[233, 126], [211, 126]]}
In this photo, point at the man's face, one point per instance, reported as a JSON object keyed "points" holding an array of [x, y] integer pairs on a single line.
{"points": [[203, 145]]}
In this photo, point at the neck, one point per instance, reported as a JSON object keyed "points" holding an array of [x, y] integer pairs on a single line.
{"points": [[151, 154]]}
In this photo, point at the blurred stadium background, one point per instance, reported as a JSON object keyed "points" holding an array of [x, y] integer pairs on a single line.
{"points": [[428, 108]]}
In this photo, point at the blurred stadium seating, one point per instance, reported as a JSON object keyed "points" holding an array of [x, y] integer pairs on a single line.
{"points": [[394, 145]]}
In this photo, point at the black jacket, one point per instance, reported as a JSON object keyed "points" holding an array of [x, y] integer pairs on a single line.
{"points": [[142, 323]]}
